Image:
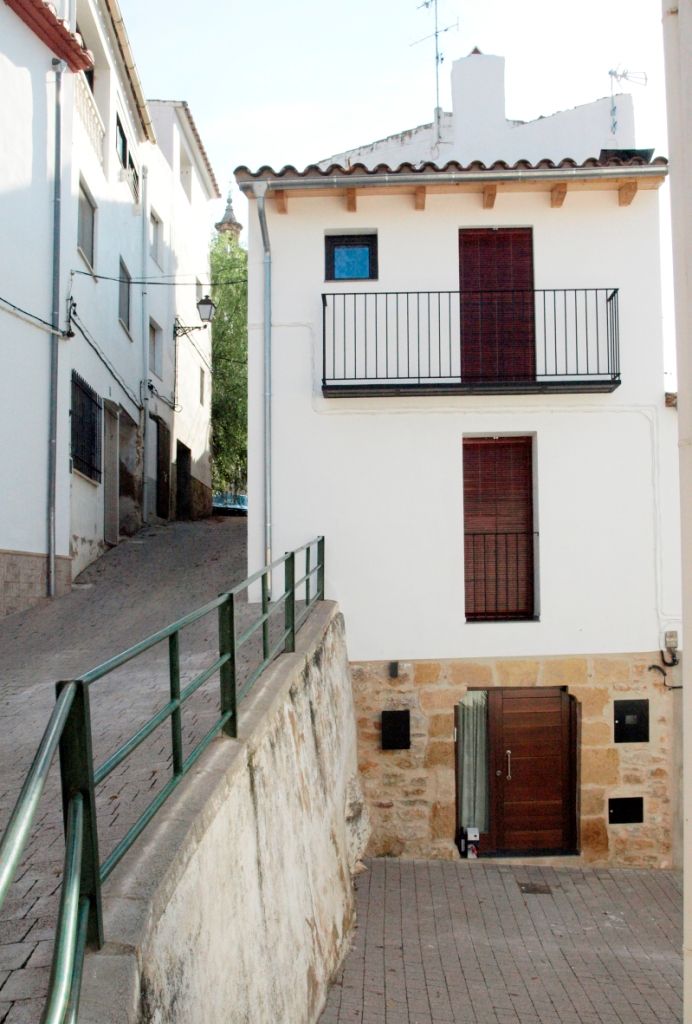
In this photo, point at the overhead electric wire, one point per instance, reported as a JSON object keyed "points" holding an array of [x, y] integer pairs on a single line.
{"points": [[74, 319], [166, 401], [200, 353], [158, 282], [31, 318]]}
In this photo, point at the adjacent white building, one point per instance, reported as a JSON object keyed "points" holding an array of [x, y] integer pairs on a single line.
{"points": [[677, 34], [98, 264], [466, 377]]}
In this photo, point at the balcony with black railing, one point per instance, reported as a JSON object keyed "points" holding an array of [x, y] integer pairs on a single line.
{"points": [[489, 342]]}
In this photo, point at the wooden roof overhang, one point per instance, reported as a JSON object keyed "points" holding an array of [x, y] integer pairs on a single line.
{"points": [[488, 183]]}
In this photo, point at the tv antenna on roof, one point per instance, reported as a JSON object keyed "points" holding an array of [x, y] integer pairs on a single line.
{"points": [[439, 57], [616, 75]]}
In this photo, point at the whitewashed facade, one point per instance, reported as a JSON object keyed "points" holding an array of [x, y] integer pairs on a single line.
{"points": [[368, 448], [677, 34], [135, 182]]}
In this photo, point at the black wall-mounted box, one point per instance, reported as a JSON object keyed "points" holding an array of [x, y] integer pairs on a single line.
{"points": [[626, 810], [631, 721], [396, 730]]}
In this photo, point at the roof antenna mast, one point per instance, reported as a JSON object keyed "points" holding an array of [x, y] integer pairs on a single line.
{"points": [[616, 75], [439, 57]]}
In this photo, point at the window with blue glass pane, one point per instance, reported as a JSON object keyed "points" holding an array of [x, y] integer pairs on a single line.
{"points": [[351, 257], [351, 261]]}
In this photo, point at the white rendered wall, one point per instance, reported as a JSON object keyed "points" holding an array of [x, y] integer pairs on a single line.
{"points": [[27, 85], [477, 128], [188, 260], [382, 477], [111, 359], [677, 29]]}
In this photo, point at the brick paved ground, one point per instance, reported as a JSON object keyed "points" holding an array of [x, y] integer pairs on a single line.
{"points": [[440, 942], [135, 589]]}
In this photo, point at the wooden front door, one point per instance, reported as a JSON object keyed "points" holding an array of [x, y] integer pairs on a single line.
{"points": [[496, 300], [532, 771], [163, 470], [183, 481]]}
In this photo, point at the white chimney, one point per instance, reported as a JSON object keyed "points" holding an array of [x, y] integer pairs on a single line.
{"points": [[478, 105]]}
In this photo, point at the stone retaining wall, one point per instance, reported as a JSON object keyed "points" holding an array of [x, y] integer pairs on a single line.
{"points": [[411, 793], [237, 904]]}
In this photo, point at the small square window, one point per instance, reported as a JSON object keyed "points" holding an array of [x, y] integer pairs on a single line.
{"points": [[351, 258], [86, 216], [124, 296]]}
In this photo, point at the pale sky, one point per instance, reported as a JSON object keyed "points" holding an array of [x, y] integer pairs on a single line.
{"points": [[293, 81]]}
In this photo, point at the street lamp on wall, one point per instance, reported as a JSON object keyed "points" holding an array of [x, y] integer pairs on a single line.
{"points": [[206, 308]]}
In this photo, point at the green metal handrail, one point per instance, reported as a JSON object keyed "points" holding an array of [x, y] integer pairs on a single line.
{"points": [[19, 825], [69, 729]]}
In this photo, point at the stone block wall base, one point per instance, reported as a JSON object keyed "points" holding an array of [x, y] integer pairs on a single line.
{"points": [[411, 793], [24, 580], [201, 499]]}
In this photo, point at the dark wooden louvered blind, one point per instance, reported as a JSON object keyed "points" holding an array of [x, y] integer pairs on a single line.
{"points": [[497, 304], [498, 528]]}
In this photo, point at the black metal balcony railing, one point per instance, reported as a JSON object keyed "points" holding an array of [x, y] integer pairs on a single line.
{"points": [[464, 342], [499, 575]]}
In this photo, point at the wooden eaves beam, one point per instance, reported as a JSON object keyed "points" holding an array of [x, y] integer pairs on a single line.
{"points": [[281, 200], [557, 194], [419, 196], [351, 200], [626, 193], [489, 195]]}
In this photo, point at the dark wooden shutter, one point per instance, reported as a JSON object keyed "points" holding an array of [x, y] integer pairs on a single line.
{"points": [[498, 528], [497, 304]]}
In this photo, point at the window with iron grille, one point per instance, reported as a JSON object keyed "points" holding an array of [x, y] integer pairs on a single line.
{"points": [[499, 538], [86, 429]]}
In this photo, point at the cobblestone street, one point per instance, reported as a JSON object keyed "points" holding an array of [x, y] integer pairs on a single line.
{"points": [[138, 587], [441, 942]]}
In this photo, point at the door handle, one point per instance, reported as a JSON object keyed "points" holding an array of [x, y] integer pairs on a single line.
{"points": [[508, 755]]}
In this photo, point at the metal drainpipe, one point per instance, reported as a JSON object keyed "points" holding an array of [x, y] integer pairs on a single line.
{"points": [[144, 390], [59, 67], [260, 189]]}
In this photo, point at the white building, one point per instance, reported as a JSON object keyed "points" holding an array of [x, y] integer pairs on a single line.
{"points": [[467, 400], [112, 252], [677, 34]]}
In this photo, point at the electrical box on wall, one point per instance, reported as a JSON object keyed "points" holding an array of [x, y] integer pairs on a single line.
{"points": [[396, 730], [626, 810], [631, 721]]}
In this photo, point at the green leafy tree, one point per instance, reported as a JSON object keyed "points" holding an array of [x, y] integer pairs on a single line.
{"points": [[229, 359]]}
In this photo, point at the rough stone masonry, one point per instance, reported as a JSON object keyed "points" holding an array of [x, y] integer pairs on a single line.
{"points": [[411, 793]]}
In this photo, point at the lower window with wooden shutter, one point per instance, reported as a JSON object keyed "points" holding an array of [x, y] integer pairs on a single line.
{"points": [[498, 528]]}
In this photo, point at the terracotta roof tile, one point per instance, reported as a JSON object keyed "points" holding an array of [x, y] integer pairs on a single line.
{"points": [[44, 22], [338, 170]]}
